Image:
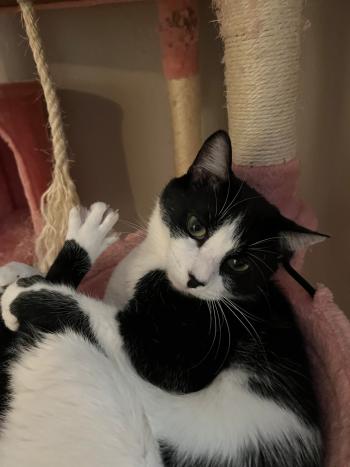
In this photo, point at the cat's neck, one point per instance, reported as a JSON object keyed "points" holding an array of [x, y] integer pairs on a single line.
{"points": [[149, 255]]}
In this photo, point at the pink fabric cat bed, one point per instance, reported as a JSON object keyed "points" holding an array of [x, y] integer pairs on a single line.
{"points": [[326, 329], [24, 168]]}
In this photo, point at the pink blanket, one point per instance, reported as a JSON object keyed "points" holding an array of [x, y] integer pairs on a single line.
{"points": [[325, 327]]}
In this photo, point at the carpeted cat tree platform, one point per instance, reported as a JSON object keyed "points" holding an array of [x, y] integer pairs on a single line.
{"points": [[24, 168], [261, 55]]}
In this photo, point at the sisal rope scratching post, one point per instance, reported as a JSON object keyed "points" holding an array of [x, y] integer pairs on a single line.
{"points": [[61, 195], [262, 50], [179, 43]]}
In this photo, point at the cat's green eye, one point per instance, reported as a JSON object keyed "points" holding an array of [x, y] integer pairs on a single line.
{"points": [[238, 265], [195, 228]]}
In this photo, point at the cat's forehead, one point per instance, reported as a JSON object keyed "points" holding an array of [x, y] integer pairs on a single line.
{"points": [[233, 203], [225, 238]]}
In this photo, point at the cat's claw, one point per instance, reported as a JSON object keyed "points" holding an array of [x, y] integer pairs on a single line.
{"points": [[92, 229]]}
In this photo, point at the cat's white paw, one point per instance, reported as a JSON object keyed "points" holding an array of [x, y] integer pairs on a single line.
{"points": [[10, 294], [93, 229], [13, 271]]}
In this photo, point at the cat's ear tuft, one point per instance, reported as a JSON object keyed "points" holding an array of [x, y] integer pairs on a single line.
{"points": [[294, 237], [214, 159]]}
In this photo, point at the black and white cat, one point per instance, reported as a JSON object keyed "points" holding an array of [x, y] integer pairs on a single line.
{"points": [[195, 358]]}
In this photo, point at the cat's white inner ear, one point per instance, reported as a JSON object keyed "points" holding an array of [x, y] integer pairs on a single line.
{"points": [[214, 157], [298, 241]]}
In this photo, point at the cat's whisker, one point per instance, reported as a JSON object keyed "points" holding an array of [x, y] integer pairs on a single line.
{"points": [[232, 201], [135, 225], [219, 325], [209, 304], [229, 336], [216, 203], [257, 266], [262, 261], [232, 306], [265, 297]]}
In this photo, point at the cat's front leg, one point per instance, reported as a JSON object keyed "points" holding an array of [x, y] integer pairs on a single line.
{"points": [[90, 232], [33, 305]]}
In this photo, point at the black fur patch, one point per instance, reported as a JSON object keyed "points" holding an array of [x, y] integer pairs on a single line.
{"points": [[6, 341], [171, 341], [70, 266], [39, 312], [50, 311], [28, 281]]}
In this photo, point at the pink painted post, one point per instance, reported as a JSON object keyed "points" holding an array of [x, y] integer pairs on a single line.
{"points": [[179, 43]]}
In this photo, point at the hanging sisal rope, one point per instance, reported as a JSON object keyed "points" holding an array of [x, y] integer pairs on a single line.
{"points": [[262, 51], [61, 195]]}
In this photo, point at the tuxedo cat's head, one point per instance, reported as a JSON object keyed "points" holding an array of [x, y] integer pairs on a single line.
{"points": [[220, 237]]}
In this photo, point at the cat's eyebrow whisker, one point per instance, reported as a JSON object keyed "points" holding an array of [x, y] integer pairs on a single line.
{"points": [[234, 199], [227, 194], [266, 240], [262, 250], [262, 261], [257, 266], [240, 202]]}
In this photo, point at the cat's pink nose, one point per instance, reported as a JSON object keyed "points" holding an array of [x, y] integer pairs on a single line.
{"points": [[193, 282]]}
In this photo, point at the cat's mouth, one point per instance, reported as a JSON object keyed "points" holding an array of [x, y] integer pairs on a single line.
{"points": [[201, 291]]}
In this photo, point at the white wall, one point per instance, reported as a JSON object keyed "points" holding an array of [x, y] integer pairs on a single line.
{"points": [[106, 62]]}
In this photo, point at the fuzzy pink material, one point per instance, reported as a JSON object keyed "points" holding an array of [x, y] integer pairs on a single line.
{"points": [[325, 327], [24, 168]]}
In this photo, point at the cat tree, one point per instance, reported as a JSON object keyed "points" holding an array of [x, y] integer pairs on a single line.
{"points": [[261, 54]]}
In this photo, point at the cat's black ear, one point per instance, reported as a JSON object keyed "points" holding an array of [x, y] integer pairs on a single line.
{"points": [[214, 159], [294, 237]]}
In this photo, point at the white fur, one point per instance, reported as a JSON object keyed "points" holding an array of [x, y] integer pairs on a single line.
{"points": [[72, 406], [71, 403], [221, 419], [10, 294], [92, 229], [13, 271]]}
